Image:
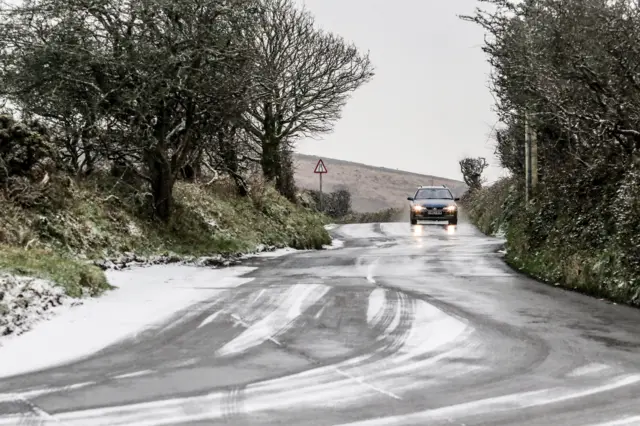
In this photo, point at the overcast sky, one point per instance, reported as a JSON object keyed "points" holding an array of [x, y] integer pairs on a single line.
{"points": [[429, 104]]}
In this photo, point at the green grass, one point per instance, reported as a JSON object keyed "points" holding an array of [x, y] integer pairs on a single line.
{"points": [[486, 207], [540, 246], [76, 277], [102, 217]]}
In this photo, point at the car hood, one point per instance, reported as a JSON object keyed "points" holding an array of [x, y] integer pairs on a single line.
{"points": [[434, 203]]}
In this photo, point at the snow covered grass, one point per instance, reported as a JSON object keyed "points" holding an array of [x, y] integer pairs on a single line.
{"points": [[102, 217], [271, 253], [24, 300], [144, 298], [335, 243], [103, 221], [76, 277]]}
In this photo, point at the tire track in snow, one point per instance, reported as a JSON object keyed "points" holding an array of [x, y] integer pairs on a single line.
{"points": [[349, 382], [510, 402], [285, 311], [412, 333]]}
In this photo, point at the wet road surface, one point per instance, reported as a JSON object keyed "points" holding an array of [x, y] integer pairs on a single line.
{"points": [[421, 325]]}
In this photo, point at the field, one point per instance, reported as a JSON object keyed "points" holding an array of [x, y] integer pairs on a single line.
{"points": [[372, 188]]}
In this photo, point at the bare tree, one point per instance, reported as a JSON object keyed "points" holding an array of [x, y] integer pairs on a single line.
{"points": [[305, 76]]}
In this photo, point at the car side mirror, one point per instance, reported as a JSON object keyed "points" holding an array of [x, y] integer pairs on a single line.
{"points": [[456, 199], [410, 198]]}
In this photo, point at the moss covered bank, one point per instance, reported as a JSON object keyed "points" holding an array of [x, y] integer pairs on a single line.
{"points": [[56, 234]]}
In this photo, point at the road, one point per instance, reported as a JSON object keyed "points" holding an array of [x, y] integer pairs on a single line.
{"points": [[404, 325]]}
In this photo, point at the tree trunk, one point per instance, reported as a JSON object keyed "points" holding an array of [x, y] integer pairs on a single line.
{"points": [[161, 180], [229, 155], [277, 165], [285, 182], [189, 172], [271, 161]]}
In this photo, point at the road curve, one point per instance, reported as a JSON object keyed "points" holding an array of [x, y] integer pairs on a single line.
{"points": [[404, 325]]}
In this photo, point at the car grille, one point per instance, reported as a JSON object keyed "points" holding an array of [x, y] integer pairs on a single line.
{"points": [[432, 211]]}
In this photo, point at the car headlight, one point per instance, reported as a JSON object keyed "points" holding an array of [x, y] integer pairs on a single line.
{"points": [[450, 209], [418, 208]]}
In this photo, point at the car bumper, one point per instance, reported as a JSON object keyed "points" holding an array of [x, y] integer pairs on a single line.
{"points": [[426, 216]]}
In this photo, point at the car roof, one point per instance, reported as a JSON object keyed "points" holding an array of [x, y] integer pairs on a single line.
{"points": [[433, 187]]}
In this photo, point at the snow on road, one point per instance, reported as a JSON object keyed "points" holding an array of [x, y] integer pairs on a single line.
{"points": [[283, 312], [335, 244], [359, 231], [274, 253], [145, 297], [433, 336]]}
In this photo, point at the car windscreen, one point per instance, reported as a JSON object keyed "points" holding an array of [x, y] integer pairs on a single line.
{"points": [[433, 194]]}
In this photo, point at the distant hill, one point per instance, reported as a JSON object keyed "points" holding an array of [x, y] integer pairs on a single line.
{"points": [[372, 188]]}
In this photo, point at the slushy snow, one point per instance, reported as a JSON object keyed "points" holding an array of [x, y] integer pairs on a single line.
{"points": [[273, 253], [145, 297], [335, 244]]}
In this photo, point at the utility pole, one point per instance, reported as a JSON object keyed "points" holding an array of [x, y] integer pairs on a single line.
{"points": [[530, 157], [320, 170], [527, 158], [533, 151], [531, 140], [321, 195]]}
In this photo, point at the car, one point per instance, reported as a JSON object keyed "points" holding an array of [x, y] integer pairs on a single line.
{"points": [[433, 203]]}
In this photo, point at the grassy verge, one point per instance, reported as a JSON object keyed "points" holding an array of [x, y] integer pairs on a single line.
{"points": [[77, 277], [548, 246], [102, 218]]}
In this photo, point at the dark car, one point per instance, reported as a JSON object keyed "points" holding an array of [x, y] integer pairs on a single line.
{"points": [[433, 203]]}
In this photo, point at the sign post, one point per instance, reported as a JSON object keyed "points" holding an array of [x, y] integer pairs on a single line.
{"points": [[320, 170]]}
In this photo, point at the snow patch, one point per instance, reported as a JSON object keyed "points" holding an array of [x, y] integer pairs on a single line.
{"points": [[589, 370], [624, 421], [134, 374], [335, 244], [396, 229], [34, 393], [431, 328], [24, 301], [145, 297], [377, 303], [359, 231], [289, 307], [264, 251], [134, 230], [515, 401], [210, 319]]}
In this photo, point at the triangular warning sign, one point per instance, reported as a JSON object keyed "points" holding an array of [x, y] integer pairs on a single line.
{"points": [[320, 168]]}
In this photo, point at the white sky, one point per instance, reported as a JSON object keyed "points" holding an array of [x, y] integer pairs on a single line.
{"points": [[429, 104]]}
